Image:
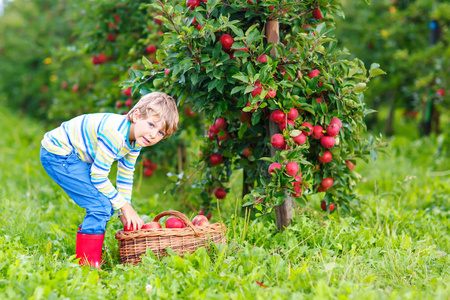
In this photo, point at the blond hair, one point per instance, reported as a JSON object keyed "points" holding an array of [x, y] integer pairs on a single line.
{"points": [[160, 105]]}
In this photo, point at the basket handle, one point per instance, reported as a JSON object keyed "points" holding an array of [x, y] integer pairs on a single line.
{"points": [[178, 215]]}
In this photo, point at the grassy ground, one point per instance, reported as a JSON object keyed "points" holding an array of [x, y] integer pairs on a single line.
{"points": [[399, 248]]}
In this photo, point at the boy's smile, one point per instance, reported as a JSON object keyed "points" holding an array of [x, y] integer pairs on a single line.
{"points": [[146, 132]]}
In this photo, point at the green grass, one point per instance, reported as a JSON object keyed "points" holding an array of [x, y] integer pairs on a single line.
{"points": [[398, 248]]}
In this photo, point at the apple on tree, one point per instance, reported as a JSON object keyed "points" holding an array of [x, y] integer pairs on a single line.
{"points": [[323, 205], [220, 193]]}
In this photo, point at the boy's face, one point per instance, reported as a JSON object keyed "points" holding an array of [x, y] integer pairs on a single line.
{"points": [[146, 132]]}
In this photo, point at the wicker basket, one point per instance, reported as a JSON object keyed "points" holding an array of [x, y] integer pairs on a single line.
{"points": [[133, 244]]}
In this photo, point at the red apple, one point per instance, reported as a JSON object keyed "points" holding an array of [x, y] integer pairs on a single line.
{"points": [[300, 139], [274, 166], [317, 132], [75, 88], [292, 168], [277, 141], [326, 157], [216, 159], [292, 114], [150, 49], [271, 94], [277, 116], [317, 14], [148, 172], [118, 104], [227, 41], [336, 121], [220, 193], [64, 84], [127, 92], [202, 222], [192, 4], [245, 117], [220, 123], [262, 58], [156, 20], [256, 91], [298, 190], [309, 126], [248, 151], [174, 222], [284, 124], [224, 136], [333, 129], [129, 227], [350, 165], [146, 162], [327, 182], [441, 92], [213, 129], [188, 111], [327, 141], [199, 217], [129, 102], [111, 37], [313, 73], [151, 225], [102, 58], [323, 205]]}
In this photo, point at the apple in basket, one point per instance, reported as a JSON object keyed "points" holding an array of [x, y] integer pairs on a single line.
{"points": [[151, 225], [200, 220], [129, 228], [174, 222]]}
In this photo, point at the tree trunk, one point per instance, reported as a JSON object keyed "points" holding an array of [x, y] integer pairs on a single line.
{"points": [[283, 212], [389, 129]]}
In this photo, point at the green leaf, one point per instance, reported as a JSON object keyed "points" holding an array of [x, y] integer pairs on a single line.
{"points": [[359, 88], [373, 154], [376, 72], [147, 63], [242, 130], [295, 133]]}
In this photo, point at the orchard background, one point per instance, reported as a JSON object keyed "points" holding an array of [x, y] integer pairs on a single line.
{"points": [[360, 213]]}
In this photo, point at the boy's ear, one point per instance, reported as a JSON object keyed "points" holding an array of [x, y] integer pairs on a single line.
{"points": [[136, 114]]}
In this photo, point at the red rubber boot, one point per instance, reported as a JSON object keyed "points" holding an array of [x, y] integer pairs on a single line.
{"points": [[89, 249]]}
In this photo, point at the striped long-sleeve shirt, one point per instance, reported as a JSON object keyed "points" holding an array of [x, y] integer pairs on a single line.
{"points": [[99, 139]]}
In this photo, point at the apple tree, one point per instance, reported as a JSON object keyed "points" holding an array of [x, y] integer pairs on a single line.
{"points": [[281, 100], [412, 49]]}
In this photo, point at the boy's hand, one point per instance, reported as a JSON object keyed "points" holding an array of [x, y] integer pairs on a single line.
{"points": [[130, 217]]}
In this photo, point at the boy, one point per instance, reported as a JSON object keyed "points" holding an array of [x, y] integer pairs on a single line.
{"points": [[78, 156]]}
